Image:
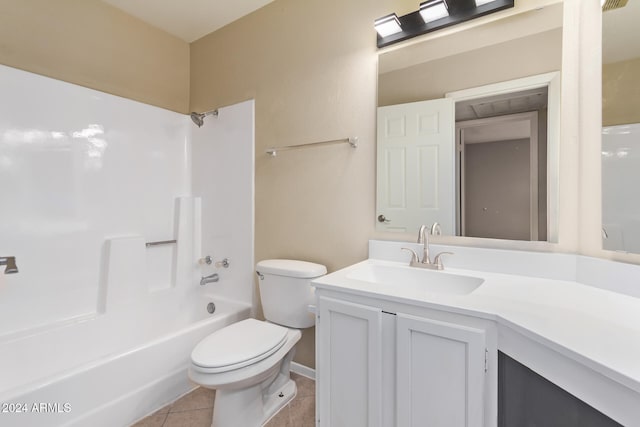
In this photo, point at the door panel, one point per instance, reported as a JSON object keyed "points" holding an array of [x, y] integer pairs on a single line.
{"points": [[416, 172]]}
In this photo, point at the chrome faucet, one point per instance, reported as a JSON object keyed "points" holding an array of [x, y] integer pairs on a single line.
{"points": [[10, 262], [209, 279], [423, 237]]}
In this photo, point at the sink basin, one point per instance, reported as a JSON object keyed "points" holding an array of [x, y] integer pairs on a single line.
{"points": [[415, 278]]}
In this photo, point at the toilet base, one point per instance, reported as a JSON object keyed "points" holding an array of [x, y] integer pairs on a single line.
{"points": [[279, 400], [250, 407]]}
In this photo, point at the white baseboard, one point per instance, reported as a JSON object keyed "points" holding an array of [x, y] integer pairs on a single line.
{"points": [[303, 370]]}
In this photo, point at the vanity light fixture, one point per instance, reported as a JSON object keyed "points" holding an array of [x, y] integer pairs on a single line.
{"points": [[432, 10], [434, 15], [388, 25]]}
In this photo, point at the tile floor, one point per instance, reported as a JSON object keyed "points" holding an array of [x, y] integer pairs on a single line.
{"points": [[196, 409]]}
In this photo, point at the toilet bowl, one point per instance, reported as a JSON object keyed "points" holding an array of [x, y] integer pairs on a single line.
{"points": [[248, 362]]}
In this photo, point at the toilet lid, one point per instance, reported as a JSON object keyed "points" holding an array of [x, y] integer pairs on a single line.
{"points": [[238, 345]]}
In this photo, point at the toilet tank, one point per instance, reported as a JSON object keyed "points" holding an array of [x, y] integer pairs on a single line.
{"points": [[286, 292]]}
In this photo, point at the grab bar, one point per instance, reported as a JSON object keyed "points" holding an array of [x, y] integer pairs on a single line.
{"points": [[160, 242]]}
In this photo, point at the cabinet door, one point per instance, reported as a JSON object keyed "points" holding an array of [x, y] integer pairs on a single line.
{"points": [[440, 373], [349, 364]]}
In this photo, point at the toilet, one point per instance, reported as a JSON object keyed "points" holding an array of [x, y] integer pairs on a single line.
{"points": [[248, 362]]}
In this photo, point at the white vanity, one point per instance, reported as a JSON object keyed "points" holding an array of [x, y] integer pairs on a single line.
{"points": [[401, 346]]}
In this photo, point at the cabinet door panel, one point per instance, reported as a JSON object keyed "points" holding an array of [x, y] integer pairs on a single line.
{"points": [[440, 373], [350, 364]]}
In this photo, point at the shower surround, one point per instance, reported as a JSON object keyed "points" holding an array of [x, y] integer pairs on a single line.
{"points": [[94, 314]]}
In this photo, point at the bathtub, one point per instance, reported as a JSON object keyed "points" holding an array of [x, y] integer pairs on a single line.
{"points": [[110, 369]]}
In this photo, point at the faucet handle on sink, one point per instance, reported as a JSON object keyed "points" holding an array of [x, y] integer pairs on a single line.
{"points": [[414, 256], [438, 262]]}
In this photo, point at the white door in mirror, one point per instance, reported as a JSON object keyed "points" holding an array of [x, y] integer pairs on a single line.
{"points": [[416, 158]]}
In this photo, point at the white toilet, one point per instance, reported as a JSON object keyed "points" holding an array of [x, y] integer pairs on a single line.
{"points": [[247, 363]]}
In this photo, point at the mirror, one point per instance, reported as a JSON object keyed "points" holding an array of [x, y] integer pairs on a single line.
{"points": [[456, 112], [621, 127]]}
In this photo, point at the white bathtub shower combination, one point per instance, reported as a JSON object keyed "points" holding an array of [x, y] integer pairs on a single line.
{"points": [[97, 327]]}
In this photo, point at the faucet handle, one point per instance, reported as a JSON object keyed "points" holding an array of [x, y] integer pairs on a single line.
{"points": [[414, 256], [438, 262], [436, 230], [205, 260], [224, 263]]}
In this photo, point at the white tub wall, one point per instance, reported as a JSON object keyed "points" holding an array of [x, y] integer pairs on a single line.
{"points": [[223, 177], [620, 208], [89, 177], [78, 165]]}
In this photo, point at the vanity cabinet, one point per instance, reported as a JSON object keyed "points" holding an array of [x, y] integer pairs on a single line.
{"points": [[349, 348], [398, 365]]}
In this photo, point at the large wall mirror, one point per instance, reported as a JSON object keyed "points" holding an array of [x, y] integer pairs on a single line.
{"points": [[621, 126], [463, 125]]}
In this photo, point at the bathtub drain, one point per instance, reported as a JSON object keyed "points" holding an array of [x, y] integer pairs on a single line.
{"points": [[211, 307]]}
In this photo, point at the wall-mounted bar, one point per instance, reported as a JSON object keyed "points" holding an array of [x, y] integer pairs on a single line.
{"points": [[161, 242], [353, 141]]}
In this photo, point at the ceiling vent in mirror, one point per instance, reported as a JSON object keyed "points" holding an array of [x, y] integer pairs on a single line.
{"points": [[613, 4]]}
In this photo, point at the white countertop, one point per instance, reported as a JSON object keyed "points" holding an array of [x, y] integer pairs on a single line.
{"points": [[596, 327]]}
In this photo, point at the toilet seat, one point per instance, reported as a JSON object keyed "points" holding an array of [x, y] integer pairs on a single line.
{"points": [[238, 345]]}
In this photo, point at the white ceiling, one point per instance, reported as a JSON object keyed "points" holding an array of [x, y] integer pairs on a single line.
{"points": [[188, 19]]}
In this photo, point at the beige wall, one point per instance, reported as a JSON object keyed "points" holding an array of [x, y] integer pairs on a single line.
{"points": [[89, 43], [621, 92], [311, 67], [526, 56]]}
